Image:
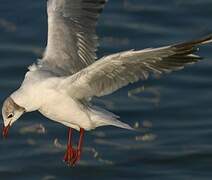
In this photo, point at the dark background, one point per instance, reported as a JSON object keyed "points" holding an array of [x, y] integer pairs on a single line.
{"points": [[173, 114]]}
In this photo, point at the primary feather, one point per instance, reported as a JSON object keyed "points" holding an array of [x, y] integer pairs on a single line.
{"points": [[115, 71], [72, 39]]}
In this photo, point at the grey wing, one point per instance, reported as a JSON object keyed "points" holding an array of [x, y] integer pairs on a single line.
{"points": [[72, 40], [113, 72]]}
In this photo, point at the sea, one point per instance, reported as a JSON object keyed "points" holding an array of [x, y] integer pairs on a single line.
{"points": [[172, 114]]}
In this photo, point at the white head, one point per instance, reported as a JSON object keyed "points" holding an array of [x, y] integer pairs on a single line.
{"points": [[10, 112]]}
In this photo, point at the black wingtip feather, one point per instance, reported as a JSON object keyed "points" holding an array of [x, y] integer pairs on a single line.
{"points": [[194, 43]]}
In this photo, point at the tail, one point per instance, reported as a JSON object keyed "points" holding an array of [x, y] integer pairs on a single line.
{"points": [[101, 117]]}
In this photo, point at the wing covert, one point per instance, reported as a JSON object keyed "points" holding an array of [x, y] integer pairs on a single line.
{"points": [[115, 71]]}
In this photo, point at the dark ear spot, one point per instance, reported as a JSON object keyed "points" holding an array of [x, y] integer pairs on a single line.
{"points": [[10, 115]]}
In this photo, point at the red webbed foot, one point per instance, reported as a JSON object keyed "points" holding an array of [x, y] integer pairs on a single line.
{"points": [[76, 158], [73, 156], [69, 155]]}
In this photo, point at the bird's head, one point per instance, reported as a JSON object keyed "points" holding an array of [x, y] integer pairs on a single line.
{"points": [[10, 112]]}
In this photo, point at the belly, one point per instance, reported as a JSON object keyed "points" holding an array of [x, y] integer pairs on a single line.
{"points": [[65, 110]]}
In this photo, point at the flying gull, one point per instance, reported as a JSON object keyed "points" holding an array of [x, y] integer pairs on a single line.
{"points": [[62, 83]]}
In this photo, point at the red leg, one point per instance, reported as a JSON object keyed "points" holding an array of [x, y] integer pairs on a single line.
{"points": [[79, 148], [70, 153]]}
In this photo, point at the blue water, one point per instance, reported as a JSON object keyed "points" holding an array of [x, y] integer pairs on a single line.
{"points": [[173, 114]]}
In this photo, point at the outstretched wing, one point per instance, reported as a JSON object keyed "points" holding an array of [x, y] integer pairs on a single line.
{"points": [[115, 71], [72, 40]]}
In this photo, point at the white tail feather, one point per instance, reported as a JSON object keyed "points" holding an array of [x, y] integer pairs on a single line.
{"points": [[101, 117]]}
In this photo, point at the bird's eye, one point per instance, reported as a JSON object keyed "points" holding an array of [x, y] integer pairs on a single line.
{"points": [[10, 115]]}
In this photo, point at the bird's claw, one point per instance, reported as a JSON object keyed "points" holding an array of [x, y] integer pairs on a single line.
{"points": [[69, 155], [72, 156], [76, 158]]}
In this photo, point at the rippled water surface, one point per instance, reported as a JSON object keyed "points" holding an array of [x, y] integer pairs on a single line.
{"points": [[173, 114]]}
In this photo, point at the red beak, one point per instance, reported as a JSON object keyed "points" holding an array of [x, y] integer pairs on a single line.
{"points": [[5, 131]]}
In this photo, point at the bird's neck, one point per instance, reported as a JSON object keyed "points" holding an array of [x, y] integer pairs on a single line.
{"points": [[24, 99]]}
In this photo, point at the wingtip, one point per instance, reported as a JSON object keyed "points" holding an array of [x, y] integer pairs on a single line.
{"points": [[196, 42], [207, 40], [131, 128]]}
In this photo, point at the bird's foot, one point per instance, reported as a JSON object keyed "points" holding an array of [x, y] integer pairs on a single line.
{"points": [[76, 158], [69, 155], [72, 156]]}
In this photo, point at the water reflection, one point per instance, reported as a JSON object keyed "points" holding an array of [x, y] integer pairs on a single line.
{"points": [[145, 94], [7, 25], [171, 115], [35, 128]]}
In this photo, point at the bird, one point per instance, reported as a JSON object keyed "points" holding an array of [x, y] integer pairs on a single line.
{"points": [[62, 83]]}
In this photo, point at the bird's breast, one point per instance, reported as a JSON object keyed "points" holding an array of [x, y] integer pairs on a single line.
{"points": [[61, 108]]}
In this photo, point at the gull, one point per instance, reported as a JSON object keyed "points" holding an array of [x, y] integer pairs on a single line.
{"points": [[63, 82]]}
